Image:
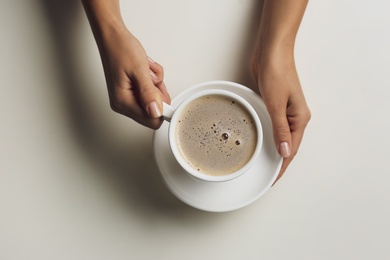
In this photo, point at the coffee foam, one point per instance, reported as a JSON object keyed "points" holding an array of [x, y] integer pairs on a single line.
{"points": [[216, 135]]}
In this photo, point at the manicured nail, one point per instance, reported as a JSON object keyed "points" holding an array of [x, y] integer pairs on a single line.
{"points": [[152, 61], [284, 150], [154, 110], [153, 75]]}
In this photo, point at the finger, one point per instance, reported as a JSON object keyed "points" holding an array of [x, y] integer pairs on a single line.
{"points": [[296, 137], [148, 93], [286, 162], [164, 91], [128, 105], [156, 71], [281, 130], [161, 86]]}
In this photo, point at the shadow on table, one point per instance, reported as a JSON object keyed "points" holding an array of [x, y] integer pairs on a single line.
{"points": [[132, 173]]}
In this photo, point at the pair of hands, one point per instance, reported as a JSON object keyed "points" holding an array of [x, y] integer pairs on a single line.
{"points": [[136, 89]]}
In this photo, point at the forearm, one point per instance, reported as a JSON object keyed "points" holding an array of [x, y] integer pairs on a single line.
{"points": [[104, 16], [279, 25]]}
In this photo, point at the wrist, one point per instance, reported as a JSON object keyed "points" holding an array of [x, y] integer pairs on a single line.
{"points": [[273, 47], [274, 56]]}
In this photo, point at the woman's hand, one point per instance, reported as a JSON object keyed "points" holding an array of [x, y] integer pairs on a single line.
{"points": [[135, 82], [276, 75], [281, 91]]}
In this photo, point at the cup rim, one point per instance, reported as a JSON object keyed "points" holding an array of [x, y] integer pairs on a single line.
{"points": [[198, 174]]}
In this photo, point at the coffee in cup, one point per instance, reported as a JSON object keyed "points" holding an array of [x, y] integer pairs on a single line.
{"points": [[215, 135]]}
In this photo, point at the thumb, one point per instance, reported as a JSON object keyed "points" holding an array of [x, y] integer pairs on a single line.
{"points": [[150, 96], [282, 133]]}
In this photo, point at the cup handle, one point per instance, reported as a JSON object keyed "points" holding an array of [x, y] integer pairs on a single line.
{"points": [[167, 112]]}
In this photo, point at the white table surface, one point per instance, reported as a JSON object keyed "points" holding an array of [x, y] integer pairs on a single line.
{"points": [[78, 181]]}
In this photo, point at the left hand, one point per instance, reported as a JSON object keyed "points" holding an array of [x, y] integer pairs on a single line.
{"points": [[279, 86]]}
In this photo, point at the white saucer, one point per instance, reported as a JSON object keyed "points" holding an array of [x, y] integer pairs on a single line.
{"points": [[220, 196]]}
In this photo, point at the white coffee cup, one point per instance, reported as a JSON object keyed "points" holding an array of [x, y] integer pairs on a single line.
{"points": [[172, 115]]}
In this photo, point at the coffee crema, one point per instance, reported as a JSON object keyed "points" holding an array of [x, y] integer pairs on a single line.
{"points": [[216, 135]]}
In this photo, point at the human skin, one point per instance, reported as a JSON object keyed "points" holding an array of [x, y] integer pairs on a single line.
{"points": [[135, 83], [276, 75]]}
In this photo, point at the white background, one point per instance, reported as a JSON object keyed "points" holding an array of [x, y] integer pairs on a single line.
{"points": [[78, 181]]}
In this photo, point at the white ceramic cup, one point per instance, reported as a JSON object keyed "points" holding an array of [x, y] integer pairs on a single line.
{"points": [[172, 115]]}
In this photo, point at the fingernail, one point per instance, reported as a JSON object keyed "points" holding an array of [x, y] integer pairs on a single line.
{"points": [[153, 75], [284, 150], [154, 110], [152, 61]]}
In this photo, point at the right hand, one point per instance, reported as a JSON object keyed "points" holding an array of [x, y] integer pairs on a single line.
{"points": [[135, 82]]}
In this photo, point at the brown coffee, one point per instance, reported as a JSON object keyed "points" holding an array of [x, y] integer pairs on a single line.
{"points": [[216, 135]]}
